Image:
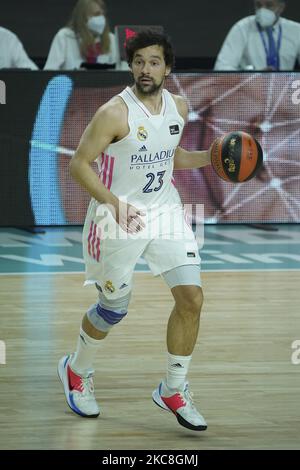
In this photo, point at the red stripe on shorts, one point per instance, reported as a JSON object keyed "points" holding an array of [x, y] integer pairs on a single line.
{"points": [[93, 240], [89, 237]]}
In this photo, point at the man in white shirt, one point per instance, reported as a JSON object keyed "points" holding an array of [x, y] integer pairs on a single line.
{"points": [[263, 41], [12, 53]]}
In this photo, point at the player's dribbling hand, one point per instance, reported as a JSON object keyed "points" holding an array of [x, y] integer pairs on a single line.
{"points": [[129, 217]]}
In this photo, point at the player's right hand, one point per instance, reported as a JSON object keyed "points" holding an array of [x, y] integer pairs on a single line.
{"points": [[129, 217]]}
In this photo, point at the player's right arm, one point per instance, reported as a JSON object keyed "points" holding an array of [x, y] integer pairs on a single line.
{"points": [[104, 128], [108, 125]]}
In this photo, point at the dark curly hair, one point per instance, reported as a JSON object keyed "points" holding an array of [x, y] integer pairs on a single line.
{"points": [[146, 38]]}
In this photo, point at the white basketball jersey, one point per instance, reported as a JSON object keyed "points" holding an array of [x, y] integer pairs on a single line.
{"points": [[139, 168]]}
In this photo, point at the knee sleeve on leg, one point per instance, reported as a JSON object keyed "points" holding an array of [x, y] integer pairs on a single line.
{"points": [[103, 319], [107, 313], [183, 275], [119, 305]]}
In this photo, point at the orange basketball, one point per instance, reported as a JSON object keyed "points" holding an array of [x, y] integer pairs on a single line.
{"points": [[236, 157]]}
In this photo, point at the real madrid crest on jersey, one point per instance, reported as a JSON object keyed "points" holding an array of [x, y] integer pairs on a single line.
{"points": [[142, 134], [109, 287]]}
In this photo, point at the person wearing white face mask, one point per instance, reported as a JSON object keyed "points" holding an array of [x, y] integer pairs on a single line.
{"points": [[85, 39], [264, 41]]}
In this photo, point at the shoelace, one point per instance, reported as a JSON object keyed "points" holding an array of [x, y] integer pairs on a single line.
{"points": [[188, 397], [87, 385]]}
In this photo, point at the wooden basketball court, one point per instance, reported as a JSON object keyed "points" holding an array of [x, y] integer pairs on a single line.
{"points": [[242, 376]]}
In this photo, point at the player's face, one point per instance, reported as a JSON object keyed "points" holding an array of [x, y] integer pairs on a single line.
{"points": [[149, 69]]}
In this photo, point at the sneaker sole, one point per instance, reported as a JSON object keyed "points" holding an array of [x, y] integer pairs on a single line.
{"points": [[158, 401], [64, 381]]}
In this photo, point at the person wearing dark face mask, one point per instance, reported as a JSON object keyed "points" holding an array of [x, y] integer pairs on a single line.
{"points": [[264, 41], [86, 38]]}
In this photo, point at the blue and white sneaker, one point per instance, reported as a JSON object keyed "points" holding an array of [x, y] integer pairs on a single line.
{"points": [[79, 391]]}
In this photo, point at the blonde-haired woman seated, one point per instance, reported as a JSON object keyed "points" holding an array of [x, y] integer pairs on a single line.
{"points": [[86, 38]]}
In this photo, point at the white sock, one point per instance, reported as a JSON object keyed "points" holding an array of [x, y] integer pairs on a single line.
{"points": [[87, 347], [178, 367]]}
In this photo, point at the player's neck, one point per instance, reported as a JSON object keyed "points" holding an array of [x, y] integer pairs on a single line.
{"points": [[152, 102]]}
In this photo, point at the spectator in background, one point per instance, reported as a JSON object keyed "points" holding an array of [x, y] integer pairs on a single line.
{"points": [[263, 41], [12, 53], [86, 38]]}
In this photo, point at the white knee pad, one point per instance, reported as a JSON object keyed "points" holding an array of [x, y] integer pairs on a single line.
{"points": [[117, 305], [107, 313]]}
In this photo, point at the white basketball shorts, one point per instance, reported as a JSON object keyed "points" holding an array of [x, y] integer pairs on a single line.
{"points": [[110, 254]]}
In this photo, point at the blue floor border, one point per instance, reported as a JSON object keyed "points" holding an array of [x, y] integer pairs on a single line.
{"points": [[227, 248]]}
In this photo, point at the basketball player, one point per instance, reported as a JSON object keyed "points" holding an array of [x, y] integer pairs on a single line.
{"points": [[135, 138]]}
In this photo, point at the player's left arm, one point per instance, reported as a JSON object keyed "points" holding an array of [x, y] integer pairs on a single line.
{"points": [[185, 159]]}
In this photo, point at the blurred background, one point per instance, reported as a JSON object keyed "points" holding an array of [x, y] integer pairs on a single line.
{"points": [[46, 111], [197, 28]]}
